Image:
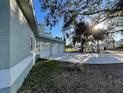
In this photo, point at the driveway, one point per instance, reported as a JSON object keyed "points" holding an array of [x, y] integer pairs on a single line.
{"points": [[71, 57], [104, 59], [92, 58]]}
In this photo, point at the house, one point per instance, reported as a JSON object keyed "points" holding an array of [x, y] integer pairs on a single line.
{"points": [[21, 44]]}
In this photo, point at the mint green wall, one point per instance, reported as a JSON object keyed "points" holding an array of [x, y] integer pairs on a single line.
{"points": [[14, 35], [19, 35], [14, 41], [4, 34], [18, 82], [5, 90]]}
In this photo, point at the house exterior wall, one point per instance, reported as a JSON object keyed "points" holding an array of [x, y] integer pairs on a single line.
{"points": [[19, 35], [55, 50], [51, 49], [16, 58], [4, 34], [61, 49], [48, 48], [45, 50]]}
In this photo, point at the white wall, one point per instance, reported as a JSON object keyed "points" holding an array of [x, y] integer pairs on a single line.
{"points": [[61, 49], [51, 49], [45, 50], [55, 50]]}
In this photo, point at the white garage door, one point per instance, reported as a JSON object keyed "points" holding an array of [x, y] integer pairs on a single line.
{"points": [[55, 50], [61, 49], [45, 51]]}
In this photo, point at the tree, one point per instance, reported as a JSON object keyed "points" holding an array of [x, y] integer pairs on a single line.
{"points": [[81, 34], [98, 35], [41, 27], [74, 12]]}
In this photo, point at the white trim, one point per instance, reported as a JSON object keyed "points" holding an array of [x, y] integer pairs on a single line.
{"points": [[9, 76]]}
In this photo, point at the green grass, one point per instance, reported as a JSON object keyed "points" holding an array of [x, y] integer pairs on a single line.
{"points": [[71, 50], [40, 73], [49, 76]]}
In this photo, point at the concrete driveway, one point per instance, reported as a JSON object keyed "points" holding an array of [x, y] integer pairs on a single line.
{"points": [[104, 59], [89, 58], [71, 57]]}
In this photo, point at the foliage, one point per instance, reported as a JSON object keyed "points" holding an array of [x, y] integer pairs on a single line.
{"points": [[99, 34], [41, 27], [75, 13], [82, 33], [70, 45]]}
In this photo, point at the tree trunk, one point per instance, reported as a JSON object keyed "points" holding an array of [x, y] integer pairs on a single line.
{"points": [[82, 48], [98, 47], [64, 44], [92, 47]]}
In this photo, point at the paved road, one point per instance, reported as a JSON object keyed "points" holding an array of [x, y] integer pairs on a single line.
{"points": [[103, 59]]}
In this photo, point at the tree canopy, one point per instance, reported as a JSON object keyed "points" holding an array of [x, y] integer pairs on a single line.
{"points": [[76, 13]]}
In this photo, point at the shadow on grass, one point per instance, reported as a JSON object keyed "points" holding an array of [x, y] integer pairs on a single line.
{"points": [[50, 76]]}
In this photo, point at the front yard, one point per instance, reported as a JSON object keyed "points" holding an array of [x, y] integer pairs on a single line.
{"points": [[62, 77]]}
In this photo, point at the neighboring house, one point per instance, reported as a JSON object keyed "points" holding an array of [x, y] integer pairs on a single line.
{"points": [[20, 43]]}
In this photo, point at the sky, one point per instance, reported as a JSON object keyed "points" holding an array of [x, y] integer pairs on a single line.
{"points": [[57, 30]]}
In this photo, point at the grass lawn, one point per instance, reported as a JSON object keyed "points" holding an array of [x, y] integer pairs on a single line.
{"points": [[71, 50], [58, 77]]}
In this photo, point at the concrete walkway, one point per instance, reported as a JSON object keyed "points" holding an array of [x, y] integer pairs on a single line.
{"points": [[89, 58], [71, 57], [104, 59]]}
